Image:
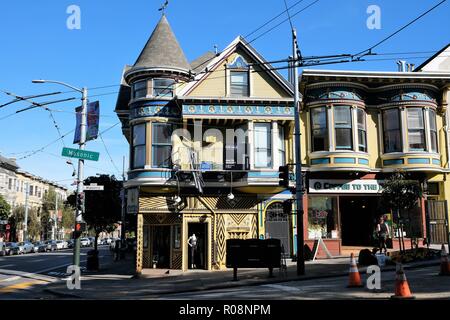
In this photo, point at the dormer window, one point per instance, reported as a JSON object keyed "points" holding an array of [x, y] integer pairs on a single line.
{"points": [[239, 77]]}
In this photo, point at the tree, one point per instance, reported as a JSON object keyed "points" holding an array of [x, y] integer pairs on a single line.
{"points": [[103, 208], [68, 217], [17, 219], [48, 207], [5, 209], [400, 194]]}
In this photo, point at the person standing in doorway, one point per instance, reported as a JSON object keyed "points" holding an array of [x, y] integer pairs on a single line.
{"points": [[193, 243], [383, 234]]}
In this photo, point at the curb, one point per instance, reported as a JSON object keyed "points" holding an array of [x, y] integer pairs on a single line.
{"points": [[229, 284]]}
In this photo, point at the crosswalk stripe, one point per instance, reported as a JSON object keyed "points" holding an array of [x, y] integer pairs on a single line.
{"points": [[19, 286]]}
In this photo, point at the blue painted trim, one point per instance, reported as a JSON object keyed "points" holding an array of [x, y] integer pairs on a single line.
{"points": [[344, 160], [265, 174], [320, 161], [436, 162], [363, 161], [391, 162], [418, 161], [229, 110]]}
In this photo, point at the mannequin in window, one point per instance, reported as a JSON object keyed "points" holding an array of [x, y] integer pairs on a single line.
{"points": [[193, 243]]}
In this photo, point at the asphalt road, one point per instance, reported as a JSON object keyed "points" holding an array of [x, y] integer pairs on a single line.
{"points": [[22, 276], [424, 283]]}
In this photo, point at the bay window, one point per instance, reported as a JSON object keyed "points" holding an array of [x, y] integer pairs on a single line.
{"points": [[138, 150], [416, 129], [433, 131], [263, 145], [161, 145], [319, 129], [343, 127], [362, 130], [392, 133]]}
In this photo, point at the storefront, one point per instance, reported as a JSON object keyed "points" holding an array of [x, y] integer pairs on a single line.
{"points": [[344, 212]]}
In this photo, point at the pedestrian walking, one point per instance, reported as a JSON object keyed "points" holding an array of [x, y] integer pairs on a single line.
{"points": [[383, 234]]}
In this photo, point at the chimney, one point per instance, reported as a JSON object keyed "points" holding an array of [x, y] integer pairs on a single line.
{"points": [[411, 67], [401, 65]]}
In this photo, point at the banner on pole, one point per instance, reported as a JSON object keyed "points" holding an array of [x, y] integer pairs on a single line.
{"points": [[93, 116]]}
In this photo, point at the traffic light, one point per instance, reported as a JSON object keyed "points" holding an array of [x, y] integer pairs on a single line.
{"points": [[80, 202], [284, 176], [80, 227]]}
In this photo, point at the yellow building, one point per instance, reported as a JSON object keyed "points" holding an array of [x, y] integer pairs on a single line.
{"points": [[206, 142], [359, 127]]}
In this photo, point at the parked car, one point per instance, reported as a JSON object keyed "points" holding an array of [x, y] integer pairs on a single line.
{"points": [[8, 247], [2, 248], [91, 241], [65, 244], [51, 245], [26, 247], [59, 244], [70, 243], [85, 242], [36, 246], [42, 246], [14, 249]]}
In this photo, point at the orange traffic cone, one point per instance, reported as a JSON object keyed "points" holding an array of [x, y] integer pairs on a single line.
{"points": [[354, 280], [445, 265], [401, 285]]}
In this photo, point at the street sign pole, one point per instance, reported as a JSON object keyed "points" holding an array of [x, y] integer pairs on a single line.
{"points": [[80, 183]]}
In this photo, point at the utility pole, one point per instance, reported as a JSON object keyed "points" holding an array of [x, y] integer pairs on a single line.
{"points": [[298, 162], [25, 223], [80, 182], [56, 215], [122, 225]]}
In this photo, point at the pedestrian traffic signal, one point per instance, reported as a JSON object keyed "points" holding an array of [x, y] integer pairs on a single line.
{"points": [[80, 226], [80, 202], [284, 176]]}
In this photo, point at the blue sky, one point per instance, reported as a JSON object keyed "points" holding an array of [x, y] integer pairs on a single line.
{"points": [[35, 43]]}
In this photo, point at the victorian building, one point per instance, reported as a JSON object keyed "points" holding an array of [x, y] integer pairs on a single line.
{"points": [[206, 142]]}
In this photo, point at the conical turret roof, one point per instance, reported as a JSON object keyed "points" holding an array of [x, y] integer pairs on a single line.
{"points": [[162, 50]]}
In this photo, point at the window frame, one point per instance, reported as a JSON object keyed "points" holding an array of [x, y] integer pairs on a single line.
{"points": [[347, 127], [326, 129], [245, 85], [363, 130], [432, 116], [399, 129], [281, 145], [139, 145], [268, 150], [143, 89], [161, 144], [422, 129], [170, 89]]}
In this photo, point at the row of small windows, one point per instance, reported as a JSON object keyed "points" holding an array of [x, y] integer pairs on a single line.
{"points": [[16, 185], [155, 88], [418, 125]]}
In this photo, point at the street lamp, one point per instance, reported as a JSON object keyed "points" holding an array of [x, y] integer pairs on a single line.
{"points": [[82, 143]]}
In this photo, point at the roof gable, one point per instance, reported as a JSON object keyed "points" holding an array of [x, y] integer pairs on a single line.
{"points": [[439, 62]]}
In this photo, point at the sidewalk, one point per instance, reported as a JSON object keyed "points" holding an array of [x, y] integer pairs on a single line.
{"points": [[116, 281]]}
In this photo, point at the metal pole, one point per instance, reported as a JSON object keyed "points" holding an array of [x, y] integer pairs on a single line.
{"points": [[122, 225], [25, 223], [80, 185], [56, 216], [298, 163]]}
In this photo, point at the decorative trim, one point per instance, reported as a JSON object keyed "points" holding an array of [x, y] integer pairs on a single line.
{"points": [[344, 160], [391, 162], [242, 110], [320, 161], [418, 161], [363, 161]]}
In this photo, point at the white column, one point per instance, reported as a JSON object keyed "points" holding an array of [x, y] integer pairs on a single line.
{"points": [[251, 137]]}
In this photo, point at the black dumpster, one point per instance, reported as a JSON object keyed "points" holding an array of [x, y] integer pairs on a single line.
{"points": [[92, 260]]}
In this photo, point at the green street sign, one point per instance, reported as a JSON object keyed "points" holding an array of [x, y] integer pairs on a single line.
{"points": [[80, 154]]}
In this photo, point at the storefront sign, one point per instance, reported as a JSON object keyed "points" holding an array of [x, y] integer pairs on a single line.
{"points": [[345, 186]]}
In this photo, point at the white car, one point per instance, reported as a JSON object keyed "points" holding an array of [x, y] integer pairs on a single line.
{"points": [[85, 242], [59, 244]]}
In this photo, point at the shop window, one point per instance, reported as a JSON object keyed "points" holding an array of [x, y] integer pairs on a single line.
{"points": [[319, 129], [263, 145], [392, 133], [362, 130], [433, 131], [163, 88], [416, 129], [161, 145], [140, 89], [343, 127], [322, 217], [139, 134]]}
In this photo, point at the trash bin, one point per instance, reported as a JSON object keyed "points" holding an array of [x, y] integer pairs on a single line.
{"points": [[92, 260]]}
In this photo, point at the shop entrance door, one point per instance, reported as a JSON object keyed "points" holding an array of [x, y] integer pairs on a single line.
{"points": [[358, 219], [277, 226], [197, 259], [161, 246]]}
